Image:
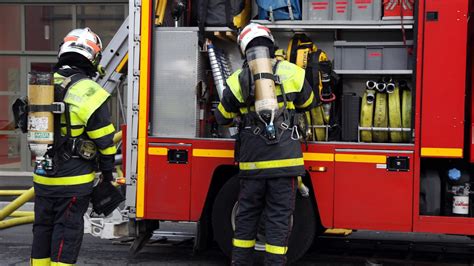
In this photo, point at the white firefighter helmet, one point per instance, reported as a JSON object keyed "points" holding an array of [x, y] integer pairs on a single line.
{"points": [[84, 42], [252, 31]]}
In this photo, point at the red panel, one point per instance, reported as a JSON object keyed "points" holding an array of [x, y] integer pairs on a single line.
{"points": [[417, 125], [471, 78], [323, 183], [445, 225], [367, 196], [444, 74], [202, 173], [123, 128], [168, 187]]}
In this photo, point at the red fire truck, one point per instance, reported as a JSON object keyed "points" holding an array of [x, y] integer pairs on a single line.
{"points": [[180, 167]]}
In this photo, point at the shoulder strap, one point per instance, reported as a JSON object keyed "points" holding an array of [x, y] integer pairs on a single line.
{"points": [[283, 94], [245, 81], [62, 91]]}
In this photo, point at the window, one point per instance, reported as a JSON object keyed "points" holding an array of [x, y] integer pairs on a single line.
{"points": [[9, 90], [46, 26], [104, 20], [10, 27]]}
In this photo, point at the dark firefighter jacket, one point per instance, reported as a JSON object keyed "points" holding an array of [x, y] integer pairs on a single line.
{"points": [[257, 158], [90, 119]]}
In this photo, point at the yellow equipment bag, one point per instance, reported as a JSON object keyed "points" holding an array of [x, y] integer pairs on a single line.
{"points": [[319, 73]]}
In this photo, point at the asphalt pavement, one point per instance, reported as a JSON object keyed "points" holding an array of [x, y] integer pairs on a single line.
{"points": [[15, 249], [360, 248]]}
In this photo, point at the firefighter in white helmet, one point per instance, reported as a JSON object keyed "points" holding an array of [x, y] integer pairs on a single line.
{"points": [[83, 136], [266, 93]]}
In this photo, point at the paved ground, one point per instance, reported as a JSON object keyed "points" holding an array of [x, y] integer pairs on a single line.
{"points": [[354, 250], [15, 250]]}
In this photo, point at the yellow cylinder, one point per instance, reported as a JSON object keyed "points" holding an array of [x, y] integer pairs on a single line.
{"points": [[16, 221], [260, 64], [40, 124], [17, 203], [11, 192], [22, 213]]}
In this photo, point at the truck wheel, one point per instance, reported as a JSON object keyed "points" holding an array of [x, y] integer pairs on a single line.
{"points": [[223, 214]]}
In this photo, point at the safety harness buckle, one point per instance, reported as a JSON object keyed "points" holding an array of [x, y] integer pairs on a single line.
{"points": [[277, 79], [66, 156], [284, 126], [257, 131], [58, 107]]}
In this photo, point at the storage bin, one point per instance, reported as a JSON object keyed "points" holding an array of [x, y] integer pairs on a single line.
{"points": [[366, 9], [327, 10], [371, 55]]}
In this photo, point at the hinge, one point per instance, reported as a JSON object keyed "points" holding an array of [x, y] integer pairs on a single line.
{"points": [[136, 107], [134, 141], [138, 2]]}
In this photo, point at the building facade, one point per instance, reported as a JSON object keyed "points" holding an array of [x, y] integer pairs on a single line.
{"points": [[31, 34]]}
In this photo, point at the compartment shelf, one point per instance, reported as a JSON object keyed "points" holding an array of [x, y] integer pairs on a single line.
{"points": [[374, 72], [299, 25], [333, 25]]}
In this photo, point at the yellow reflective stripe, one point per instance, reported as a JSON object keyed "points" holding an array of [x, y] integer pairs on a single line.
{"points": [[320, 157], [308, 102], [54, 263], [240, 243], [214, 153], [441, 152], [74, 132], [64, 181], [40, 262], [224, 113], [360, 158], [278, 250], [271, 164], [158, 151], [108, 151], [103, 131]]}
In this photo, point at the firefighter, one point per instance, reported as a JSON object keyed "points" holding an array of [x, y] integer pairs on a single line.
{"points": [[84, 129], [267, 148]]}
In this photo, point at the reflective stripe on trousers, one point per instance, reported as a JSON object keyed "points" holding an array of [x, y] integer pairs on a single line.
{"points": [[240, 243], [40, 262]]}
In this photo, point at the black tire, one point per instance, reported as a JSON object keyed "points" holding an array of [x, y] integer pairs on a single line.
{"points": [[304, 221]]}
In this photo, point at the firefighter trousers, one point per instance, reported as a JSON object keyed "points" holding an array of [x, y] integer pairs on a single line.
{"points": [[58, 229], [275, 199]]}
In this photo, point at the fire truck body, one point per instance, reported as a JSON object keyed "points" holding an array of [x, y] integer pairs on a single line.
{"points": [[355, 185]]}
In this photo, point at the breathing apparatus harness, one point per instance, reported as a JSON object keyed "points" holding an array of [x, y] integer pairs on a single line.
{"points": [[65, 147], [271, 133]]}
